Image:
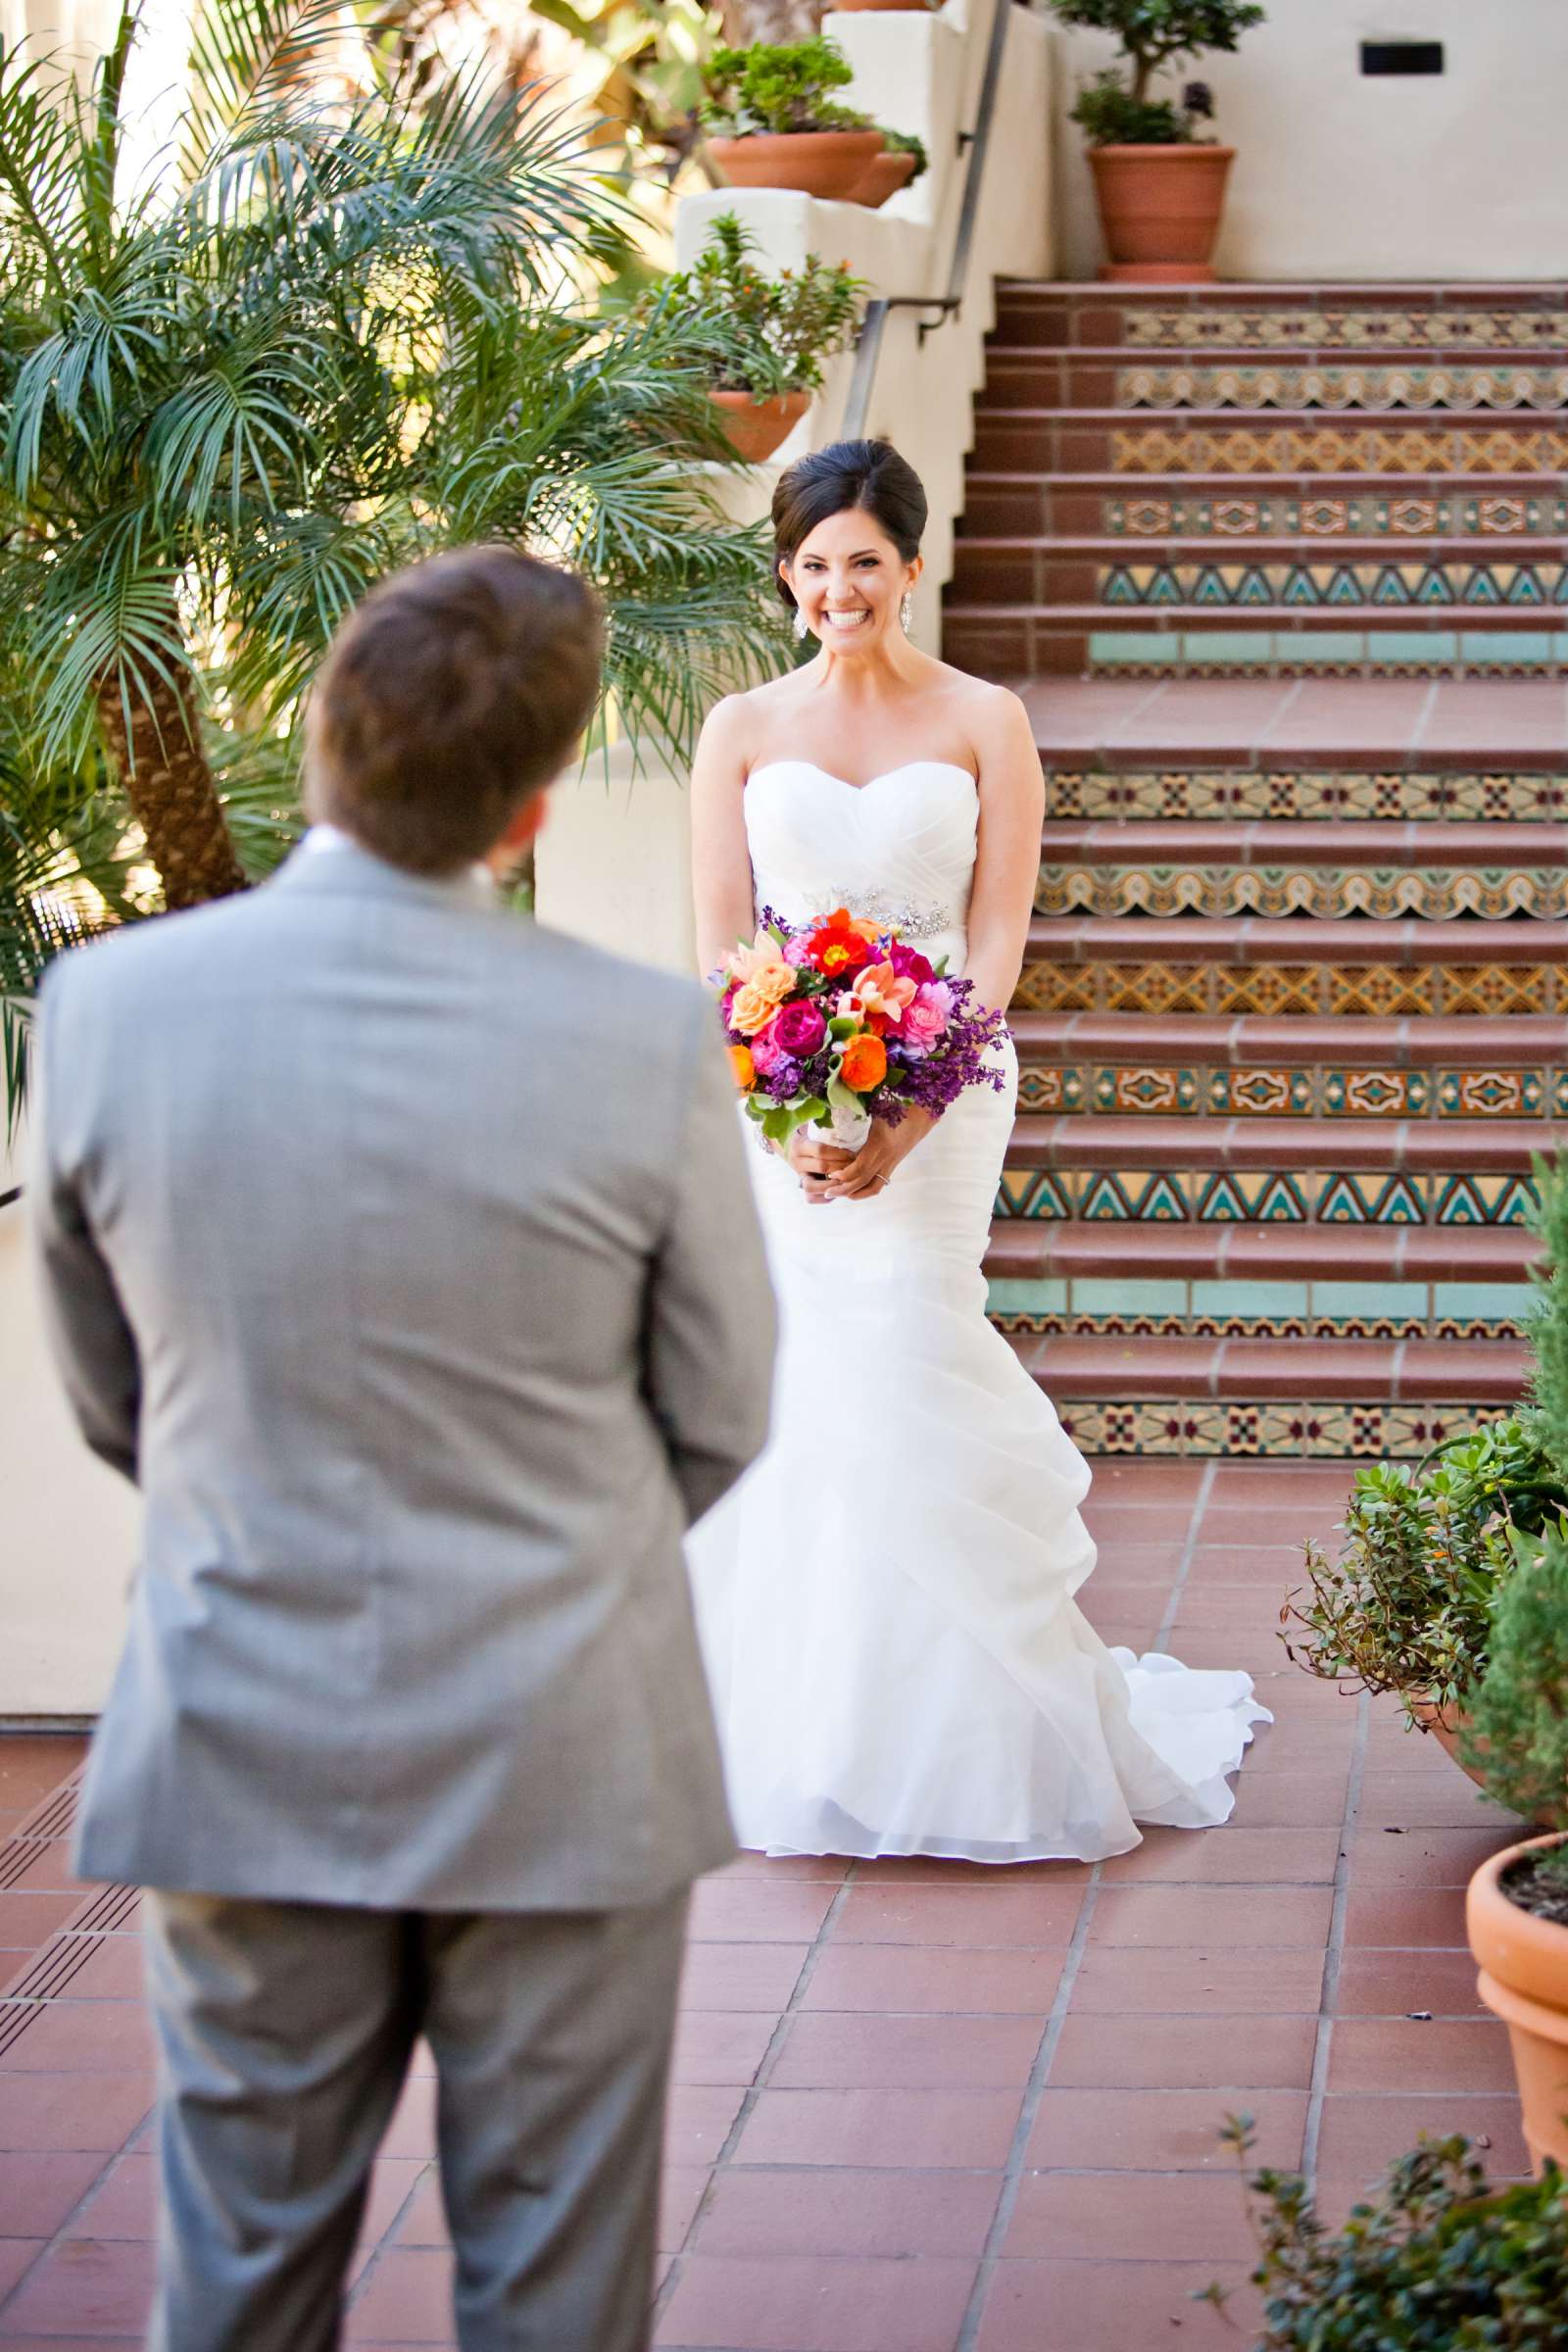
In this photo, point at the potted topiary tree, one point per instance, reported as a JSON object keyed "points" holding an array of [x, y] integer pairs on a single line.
{"points": [[769, 335], [772, 122], [1517, 1907], [1160, 185]]}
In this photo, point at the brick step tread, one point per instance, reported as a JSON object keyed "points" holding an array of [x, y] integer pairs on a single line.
{"points": [[1301, 1041], [1464, 1371], [1528, 484], [1301, 293], [1110, 763], [1106, 1140], [1034, 1249], [1214, 412], [1293, 939], [1272, 842]]}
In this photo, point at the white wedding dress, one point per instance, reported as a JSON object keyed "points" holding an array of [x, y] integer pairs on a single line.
{"points": [[886, 1601]]}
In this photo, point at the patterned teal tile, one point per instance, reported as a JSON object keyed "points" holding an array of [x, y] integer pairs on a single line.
{"points": [[1105, 1297], [1339, 646], [1403, 646], [1533, 649], [1011, 1296], [1115, 648], [1244, 648], [1344, 1300], [1492, 1302], [1264, 1300]]}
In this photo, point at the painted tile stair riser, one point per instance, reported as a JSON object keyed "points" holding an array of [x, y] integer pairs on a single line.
{"points": [[1290, 1194], [1311, 795]]}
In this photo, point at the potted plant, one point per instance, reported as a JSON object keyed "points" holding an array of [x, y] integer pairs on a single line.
{"points": [[769, 335], [1407, 1605], [1160, 185], [773, 124], [1517, 1907], [1434, 2258], [902, 159], [906, 8]]}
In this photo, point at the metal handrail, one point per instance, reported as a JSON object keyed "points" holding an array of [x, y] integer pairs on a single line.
{"points": [[974, 146]]}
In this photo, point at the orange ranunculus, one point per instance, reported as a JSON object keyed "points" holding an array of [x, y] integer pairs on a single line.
{"points": [[864, 1065], [752, 1007], [744, 1069]]}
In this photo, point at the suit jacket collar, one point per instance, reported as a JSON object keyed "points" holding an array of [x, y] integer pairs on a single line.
{"points": [[348, 870]]}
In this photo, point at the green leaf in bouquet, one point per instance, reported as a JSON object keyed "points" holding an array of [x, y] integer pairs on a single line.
{"points": [[844, 1098], [841, 1026]]}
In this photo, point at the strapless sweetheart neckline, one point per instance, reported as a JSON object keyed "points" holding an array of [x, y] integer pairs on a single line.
{"points": [[826, 773]]}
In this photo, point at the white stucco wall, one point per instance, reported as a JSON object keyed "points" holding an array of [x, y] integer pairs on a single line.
{"points": [[1339, 176]]}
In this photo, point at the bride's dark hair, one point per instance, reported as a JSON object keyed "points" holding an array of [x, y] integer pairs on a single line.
{"points": [[847, 475]]}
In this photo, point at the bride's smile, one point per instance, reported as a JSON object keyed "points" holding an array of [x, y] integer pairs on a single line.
{"points": [[849, 582]]}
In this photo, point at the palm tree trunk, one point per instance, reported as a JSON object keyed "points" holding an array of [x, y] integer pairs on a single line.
{"points": [[155, 739]]}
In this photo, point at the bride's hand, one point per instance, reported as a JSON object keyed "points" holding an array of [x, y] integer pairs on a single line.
{"points": [[871, 1169], [815, 1162]]}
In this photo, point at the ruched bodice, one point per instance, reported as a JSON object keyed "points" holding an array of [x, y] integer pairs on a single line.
{"points": [[899, 850]]}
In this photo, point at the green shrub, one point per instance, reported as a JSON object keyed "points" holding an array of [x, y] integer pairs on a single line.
{"points": [[1435, 2261], [1518, 1737], [770, 334], [778, 87], [904, 142], [1407, 1606]]}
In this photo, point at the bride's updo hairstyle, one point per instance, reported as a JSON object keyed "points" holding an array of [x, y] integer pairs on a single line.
{"points": [[868, 475]]}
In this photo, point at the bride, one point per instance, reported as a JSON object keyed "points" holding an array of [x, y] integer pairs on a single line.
{"points": [[886, 1602]]}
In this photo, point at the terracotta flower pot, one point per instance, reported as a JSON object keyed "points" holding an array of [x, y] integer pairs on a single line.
{"points": [[815, 163], [1160, 209], [757, 428], [1524, 1981], [1445, 1726], [890, 171]]}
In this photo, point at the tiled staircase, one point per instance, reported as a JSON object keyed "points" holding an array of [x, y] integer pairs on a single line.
{"points": [[1295, 1017]]}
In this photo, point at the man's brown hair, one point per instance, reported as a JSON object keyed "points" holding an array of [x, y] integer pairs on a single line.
{"points": [[457, 689]]}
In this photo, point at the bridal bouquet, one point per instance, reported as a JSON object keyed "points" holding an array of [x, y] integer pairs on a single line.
{"points": [[840, 1024]]}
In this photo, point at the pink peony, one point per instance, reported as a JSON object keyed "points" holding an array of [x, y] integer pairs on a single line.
{"points": [[798, 1030], [926, 1019], [909, 964], [766, 1052]]}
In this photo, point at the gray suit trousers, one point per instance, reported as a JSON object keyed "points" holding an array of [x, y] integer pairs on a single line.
{"points": [[286, 2031]]}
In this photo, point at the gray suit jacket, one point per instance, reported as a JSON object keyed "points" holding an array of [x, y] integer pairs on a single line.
{"points": [[403, 1251]]}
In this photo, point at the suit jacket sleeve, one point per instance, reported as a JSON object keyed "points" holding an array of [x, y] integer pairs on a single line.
{"points": [[710, 1327], [92, 1341]]}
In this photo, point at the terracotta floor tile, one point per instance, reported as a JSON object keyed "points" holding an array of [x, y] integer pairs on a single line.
{"points": [[1247, 1610], [1406, 2054], [405, 2298], [1181, 2053], [742, 1977], [17, 2257], [809, 2303], [828, 2211], [73, 2112], [967, 2128], [1015, 1918], [1230, 1856], [1168, 2217], [1255, 1486], [49, 1872], [1273, 1525], [1204, 1915], [1272, 1568], [412, 2130], [823, 2050], [712, 2046], [34, 1764], [681, 2190], [1391, 1983], [124, 2204], [1400, 1916], [39, 2192], [422, 2219], [84, 2037], [394, 2181], [698, 2122], [1359, 2137], [110, 1968], [83, 2285], [751, 1911], [1276, 1800], [27, 1921], [1208, 1979], [1423, 1858], [905, 1977], [830, 1867], [1171, 2131], [1055, 2306], [920, 1870], [1302, 1743], [1427, 1800]]}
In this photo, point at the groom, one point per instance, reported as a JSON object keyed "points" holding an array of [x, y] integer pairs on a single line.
{"points": [[402, 1251]]}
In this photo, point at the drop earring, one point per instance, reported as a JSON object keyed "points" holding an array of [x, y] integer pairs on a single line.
{"points": [[800, 622], [906, 611]]}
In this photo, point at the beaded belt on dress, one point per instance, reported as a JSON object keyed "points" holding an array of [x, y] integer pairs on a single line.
{"points": [[907, 916]]}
